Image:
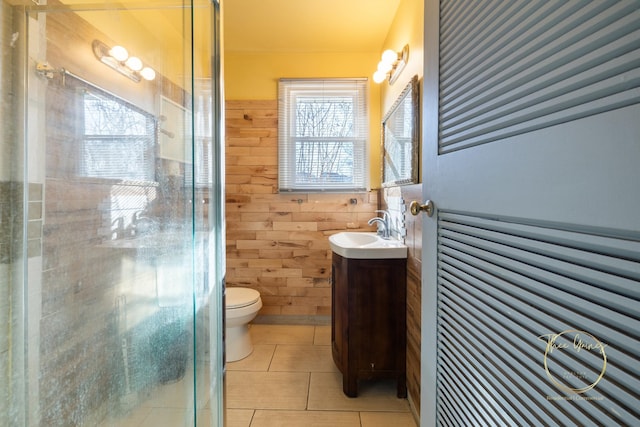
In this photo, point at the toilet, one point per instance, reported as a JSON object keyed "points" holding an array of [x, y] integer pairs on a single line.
{"points": [[241, 307]]}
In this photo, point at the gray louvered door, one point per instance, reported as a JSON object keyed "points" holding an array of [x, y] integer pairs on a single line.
{"points": [[531, 154]]}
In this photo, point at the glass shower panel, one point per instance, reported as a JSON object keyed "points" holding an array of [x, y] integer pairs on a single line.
{"points": [[14, 244], [117, 222]]}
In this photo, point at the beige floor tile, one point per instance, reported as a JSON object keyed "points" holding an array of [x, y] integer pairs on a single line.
{"points": [[303, 358], [238, 417], [322, 335], [386, 419], [282, 334], [325, 393], [302, 386], [305, 418], [267, 390], [258, 360], [167, 417]]}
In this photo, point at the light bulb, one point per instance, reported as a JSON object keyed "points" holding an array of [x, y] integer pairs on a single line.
{"points": [[384, 67], [389, 56], [119, 53], [134, 63], [148, 73], [379, 76]]}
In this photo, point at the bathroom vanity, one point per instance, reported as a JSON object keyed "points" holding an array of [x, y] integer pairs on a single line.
{"points": [[368, 322]]}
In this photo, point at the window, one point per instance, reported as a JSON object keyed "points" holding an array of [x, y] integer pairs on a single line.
{"points": [[118, 139], [322, 135], [203, 127]]}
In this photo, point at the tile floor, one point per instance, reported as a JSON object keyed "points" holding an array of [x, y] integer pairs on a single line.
{"points": [[289, 380]]}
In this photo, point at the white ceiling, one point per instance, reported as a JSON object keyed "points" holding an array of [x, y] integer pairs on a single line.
{"points": [[306, 25]]}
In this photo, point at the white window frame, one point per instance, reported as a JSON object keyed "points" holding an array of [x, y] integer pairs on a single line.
{"points": [[289, 91]]}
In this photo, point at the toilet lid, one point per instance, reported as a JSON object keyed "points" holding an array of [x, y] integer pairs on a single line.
{"points": [[241, 297]]}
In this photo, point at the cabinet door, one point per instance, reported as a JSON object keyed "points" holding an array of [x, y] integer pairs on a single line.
{"points": [[378, 323]]}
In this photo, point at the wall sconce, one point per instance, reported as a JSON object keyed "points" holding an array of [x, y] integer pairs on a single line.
{"points": [[391, 65], [118, 58]]}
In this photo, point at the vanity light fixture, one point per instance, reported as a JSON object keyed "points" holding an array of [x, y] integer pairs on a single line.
{"points": [[118, 59], [391, 65]]}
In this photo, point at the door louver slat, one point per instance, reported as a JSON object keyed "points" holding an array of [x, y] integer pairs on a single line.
{"points": [[505, 71], [501, 286]]}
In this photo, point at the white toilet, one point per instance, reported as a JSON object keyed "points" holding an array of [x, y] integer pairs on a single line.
{"points": [[241, 307]]}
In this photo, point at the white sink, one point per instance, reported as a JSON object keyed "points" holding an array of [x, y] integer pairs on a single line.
{"points": [[364, 245]]}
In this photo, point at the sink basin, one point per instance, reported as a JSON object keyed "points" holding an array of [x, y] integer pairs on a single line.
{"points": [[364, 245]]}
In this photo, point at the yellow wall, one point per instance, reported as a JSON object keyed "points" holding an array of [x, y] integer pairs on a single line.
{"points": [[407, 28], [254, 76]]}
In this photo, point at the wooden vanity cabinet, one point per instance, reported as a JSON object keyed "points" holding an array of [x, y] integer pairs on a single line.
{"points": [[368, 322]]}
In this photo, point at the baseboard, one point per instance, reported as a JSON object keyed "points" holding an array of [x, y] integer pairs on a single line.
{"points": [[292, 320]]}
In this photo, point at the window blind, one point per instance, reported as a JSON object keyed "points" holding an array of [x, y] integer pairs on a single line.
{"points": [[203, 136], [322, 135]]}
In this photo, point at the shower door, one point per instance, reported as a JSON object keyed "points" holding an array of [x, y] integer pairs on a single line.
{"points": [[111, 214]]}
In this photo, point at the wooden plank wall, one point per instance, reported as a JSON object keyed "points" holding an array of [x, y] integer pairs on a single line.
{"points": [[278, 243]]}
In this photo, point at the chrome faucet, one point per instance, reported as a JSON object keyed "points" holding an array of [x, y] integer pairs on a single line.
{"points": [[384, 224]]}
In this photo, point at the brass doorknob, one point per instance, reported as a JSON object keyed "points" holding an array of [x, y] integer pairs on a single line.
{"points": [[416, 207]]}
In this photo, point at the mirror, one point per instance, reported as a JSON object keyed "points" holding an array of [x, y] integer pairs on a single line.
{"points": [[401, 138]]}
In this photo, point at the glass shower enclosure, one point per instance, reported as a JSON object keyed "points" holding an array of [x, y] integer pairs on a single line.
{"points": [[111, 222]]}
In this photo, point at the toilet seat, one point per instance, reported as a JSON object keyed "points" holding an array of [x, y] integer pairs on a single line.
{"points": [[241, 297]]}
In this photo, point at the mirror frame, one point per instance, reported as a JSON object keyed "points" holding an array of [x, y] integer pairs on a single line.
{"points": [[411, 94]]}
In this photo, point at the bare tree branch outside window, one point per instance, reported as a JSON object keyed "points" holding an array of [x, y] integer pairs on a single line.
{"points": [[322, 155], [323, 129]]}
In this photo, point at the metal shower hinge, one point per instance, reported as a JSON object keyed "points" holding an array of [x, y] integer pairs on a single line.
{"points": [[45, 70]]}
